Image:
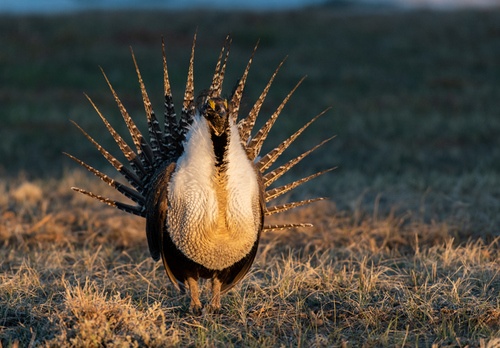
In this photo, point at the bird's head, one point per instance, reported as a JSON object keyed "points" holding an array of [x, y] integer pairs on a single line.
{"points": [[216, 112]]}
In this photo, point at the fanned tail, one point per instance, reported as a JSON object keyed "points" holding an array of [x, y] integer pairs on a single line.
{"points": [[149, 154], [164, 146]]}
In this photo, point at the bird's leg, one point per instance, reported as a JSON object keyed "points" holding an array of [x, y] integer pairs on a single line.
{"points": [[216, 286], [194, 293]]}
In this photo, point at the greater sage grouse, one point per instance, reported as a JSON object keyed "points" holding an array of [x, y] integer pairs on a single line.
{"points": [[199, 181]]}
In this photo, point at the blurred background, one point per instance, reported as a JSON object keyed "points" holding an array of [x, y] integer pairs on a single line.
{"points": [[52, 6], [414, 86]]}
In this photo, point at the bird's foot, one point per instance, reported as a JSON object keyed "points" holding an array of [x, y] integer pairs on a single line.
{"points": [[213, 309], [196, 309]]}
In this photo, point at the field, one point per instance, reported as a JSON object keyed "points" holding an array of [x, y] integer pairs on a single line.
{"points": [[405, 252]]}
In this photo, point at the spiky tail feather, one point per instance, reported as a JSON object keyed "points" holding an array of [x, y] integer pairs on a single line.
{"points": [[165, 146]]}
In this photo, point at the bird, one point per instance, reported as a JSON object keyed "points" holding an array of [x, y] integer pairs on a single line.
{"points": [[200, 180]]}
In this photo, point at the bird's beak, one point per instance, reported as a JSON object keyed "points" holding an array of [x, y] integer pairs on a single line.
{"points": [[217, 127], [216, 116]]}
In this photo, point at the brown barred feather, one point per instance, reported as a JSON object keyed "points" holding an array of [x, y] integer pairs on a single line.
{"points": [[266, 161], [284, 207], [255, 144], [124, 190], [238, 93], [170, 142], [278, 191], [246, 125], [155, 133], [129, 154], [132, 209], [274, 175], [188, 106], [220, 70], [131, 177], [282, 227], [140, 144]]}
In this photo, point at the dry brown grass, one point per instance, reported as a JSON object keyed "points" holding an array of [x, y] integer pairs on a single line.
{"points": [[75, 274]]}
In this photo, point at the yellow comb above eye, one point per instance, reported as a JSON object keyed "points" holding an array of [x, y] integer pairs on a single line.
{"points": [[211, 103]]}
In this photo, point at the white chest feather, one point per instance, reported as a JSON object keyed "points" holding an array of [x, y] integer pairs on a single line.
{"points": [[213, 218]]}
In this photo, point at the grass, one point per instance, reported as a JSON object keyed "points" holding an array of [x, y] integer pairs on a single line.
{"points": [[404, 254]]}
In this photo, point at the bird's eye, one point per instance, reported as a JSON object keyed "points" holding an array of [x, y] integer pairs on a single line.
{"points": [[211, 104], [218, 106]]}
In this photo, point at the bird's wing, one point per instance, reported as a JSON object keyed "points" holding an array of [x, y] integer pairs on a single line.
{"points": [[156, 214]]}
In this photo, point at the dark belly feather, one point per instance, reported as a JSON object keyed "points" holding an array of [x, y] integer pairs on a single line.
{"points": [[181, 267]]}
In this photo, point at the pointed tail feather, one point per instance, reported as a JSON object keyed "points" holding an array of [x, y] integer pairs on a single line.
{"points": [[284, 207], [155, 133], [278, 191], [131, 177], [132, 209], [170, 134], [143, 150], [256, 142], [188, 107], [246, 125], [274, 175], [238, 93], [266, 161], [166, 81], [285, 226], [124, 190], [220, 70], [130, 155]]}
